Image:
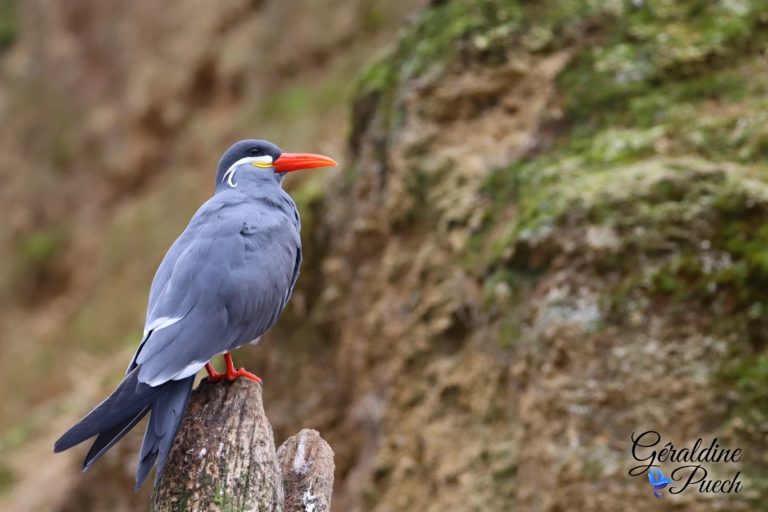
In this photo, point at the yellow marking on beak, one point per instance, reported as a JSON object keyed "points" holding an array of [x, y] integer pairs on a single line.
{"points": [[259, 164]]}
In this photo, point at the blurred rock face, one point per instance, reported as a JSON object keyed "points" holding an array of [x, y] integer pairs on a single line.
{"points": [[543, 244], [548, 233]]}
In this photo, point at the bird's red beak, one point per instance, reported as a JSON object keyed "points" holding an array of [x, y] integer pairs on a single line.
{"points": [[297, 161]]}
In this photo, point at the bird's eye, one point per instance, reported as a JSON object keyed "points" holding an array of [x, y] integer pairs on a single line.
{"points": [[255, 152]]}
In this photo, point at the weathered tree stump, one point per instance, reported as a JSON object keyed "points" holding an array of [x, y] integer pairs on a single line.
{"points": [[306, 462], [224, 459]]}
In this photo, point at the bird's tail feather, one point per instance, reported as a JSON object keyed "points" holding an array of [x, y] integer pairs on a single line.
{"points": [[125, 402], [109, 437], [122, 410], [167, 411]]}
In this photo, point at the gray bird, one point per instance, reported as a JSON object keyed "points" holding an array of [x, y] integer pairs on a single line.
{"points": [[222, 284]]}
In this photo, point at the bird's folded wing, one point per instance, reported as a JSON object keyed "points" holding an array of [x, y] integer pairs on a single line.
{"points": [[225, 287]]}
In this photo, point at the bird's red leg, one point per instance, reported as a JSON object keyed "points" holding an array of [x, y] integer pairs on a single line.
{"points": [[233, 374], [213, 375]]}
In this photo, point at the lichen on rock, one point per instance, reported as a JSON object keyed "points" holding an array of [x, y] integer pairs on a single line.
{"points": [[576, 192]]}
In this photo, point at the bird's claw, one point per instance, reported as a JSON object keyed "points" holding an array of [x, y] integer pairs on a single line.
{"points": [[241, 372], [231, 377], [231, 374]]}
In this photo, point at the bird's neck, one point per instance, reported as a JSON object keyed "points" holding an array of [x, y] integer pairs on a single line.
{"points": [[267, 194], [249, 180]]}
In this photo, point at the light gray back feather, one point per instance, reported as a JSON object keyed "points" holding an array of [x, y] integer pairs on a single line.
{"points": [[224, 282]]}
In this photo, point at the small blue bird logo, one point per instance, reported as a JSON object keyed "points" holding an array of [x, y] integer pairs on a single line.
{"points": [[658, 481]]}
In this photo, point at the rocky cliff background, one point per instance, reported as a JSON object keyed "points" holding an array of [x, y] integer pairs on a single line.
{"points": [[548, 232]]}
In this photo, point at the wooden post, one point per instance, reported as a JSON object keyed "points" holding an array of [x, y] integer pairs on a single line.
{"points": [[224, 458], [306, 462]]}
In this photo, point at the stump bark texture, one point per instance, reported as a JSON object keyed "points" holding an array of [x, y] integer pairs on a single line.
{"points": [[224, 458], [306, 464]]}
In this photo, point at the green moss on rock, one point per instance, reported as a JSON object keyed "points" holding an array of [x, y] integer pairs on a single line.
{"points": [[8, 23], [7, 478], [653, 187], [40, 247], [678, 79]]}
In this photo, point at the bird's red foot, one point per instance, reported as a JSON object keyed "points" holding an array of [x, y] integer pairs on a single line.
{"points": [[241, 372], [213, 375], [231, 374]]}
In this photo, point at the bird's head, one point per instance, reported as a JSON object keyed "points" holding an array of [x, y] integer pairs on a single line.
{"points": [[264, 158]]}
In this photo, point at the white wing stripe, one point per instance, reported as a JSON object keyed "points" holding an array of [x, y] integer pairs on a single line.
{"points": [[161, 323]]}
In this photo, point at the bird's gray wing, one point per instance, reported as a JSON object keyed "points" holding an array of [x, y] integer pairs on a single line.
{"points": [[228, 283]]}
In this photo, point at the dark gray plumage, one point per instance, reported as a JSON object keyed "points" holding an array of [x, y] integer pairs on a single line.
{"points": [[222, 284]]}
